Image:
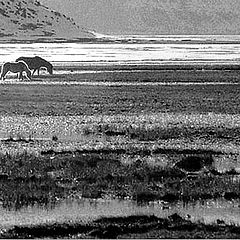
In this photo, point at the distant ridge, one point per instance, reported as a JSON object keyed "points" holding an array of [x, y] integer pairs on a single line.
{"points": [[29, 20], [180, 17]]}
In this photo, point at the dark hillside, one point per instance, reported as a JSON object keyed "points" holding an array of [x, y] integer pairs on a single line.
{"points": [[30, 20]]}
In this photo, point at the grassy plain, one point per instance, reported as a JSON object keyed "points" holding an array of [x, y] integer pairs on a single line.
{"points": [[61, 137], [64, 99]]}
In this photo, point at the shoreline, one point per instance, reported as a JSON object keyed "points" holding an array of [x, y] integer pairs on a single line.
{"points": [[160, 66], [134, 75], [115, 39]]}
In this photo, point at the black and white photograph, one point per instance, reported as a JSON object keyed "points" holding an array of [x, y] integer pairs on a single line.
{"points": [[119, 119]]}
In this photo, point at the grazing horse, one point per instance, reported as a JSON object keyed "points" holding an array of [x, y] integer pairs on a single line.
{"points": [[36, 63], [15, 67]]}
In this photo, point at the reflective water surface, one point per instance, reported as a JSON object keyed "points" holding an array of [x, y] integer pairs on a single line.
{"points": [[123, 53], [85, 210]]}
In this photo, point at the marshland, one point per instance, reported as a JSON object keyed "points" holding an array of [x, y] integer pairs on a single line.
{"points": [[121, 149]]}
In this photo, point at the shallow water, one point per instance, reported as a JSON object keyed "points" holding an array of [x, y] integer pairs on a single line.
{"points": [[173, 38], [93, 54], [86, 210]]}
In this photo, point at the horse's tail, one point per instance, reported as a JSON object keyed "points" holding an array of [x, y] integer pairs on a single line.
{"points": [[4, 70], [1, 74]]}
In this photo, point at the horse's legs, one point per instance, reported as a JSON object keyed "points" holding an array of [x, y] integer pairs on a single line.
{"points": [[28, 75], [20, 76], [2, 76], [4, 72], [38, 71]]}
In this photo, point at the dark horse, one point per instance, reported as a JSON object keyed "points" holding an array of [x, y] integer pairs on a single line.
{"points": [[36, 63]]}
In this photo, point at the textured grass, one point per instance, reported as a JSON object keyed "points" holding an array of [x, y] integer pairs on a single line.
{"points": [[72, 100], [27, 179], [216, 132]]}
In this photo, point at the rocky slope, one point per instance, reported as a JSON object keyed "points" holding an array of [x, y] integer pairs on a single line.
{"points": [[30, 20], [154, 16]]}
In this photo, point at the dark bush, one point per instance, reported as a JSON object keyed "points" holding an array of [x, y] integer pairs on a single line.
{"points": [[194, 163]]}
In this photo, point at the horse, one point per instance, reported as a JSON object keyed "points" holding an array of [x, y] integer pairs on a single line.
{"points": [[35, 63], [15, 67]]}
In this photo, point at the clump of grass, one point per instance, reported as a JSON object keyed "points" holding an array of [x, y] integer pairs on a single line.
{"points": [[55, 230], [54, 138], [87, 130], [158, 174], [232, 172], [140, 226], [19, 138], [143, 134], [208, 187], [26, 192], [154, 131], [27, 182], [92, 193], [111, 130], [195, 162]]}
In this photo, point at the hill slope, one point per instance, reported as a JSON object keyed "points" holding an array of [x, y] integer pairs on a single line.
{"points": [[154, 16], [30, 20]]}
